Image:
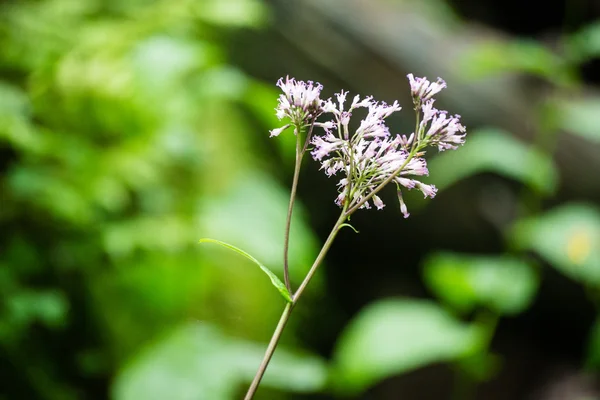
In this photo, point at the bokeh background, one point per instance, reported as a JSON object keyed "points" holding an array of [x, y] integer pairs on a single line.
{"points": [[129, 129]]}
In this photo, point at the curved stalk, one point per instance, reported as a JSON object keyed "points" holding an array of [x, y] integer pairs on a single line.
{"points": [[287, 311], [285, 316], [320, 257], [288, 222]]}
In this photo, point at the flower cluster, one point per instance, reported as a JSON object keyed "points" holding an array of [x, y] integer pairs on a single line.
{"points": [[423, 90], [445, 132], [300, 102], [370, 157]]}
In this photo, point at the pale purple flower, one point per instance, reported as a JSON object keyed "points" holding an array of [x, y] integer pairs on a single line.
{"points": [[369, 156], [427, 190], [423, 90], [416, 166], [276, 132], [403, 207], [428, 112], [300, 102], [378, 203], [324, 145], [444, 132]]}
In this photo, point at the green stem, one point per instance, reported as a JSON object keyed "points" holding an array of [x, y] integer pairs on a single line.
{"points": [[321, 256], [288, 221], [287, 311], [285, 316]]}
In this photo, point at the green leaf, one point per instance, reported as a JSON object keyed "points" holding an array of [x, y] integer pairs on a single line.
{"points": [[583, 45], [349, 226], [581, 117], [240, 13], [197, 361], [505, 285], [516, 56], [494, 150], [567, 237], [274, 279], [391, 337]]}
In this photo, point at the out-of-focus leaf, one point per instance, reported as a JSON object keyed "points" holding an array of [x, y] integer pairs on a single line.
{"points": [[581, 117], [287, 370], [503, 284], [232, 13], [583, 45], [13, 101], [258, 95], [274, 279], [568, 237], [493, 150], [49, 307], [391, 337], [196, 361], [517, 56], [161, 62]]}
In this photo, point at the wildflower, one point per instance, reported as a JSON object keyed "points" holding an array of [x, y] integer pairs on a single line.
{"points": [[369, 156], [445, 132], [300, 102], [423, 90]]}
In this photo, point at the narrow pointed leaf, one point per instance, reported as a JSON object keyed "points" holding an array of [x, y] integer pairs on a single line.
{"points": [[274, 279], [349, 226]]}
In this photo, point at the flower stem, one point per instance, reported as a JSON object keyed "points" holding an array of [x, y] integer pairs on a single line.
{"points": [[321, 256], [287, 311], [285, 316], [288, 222]]}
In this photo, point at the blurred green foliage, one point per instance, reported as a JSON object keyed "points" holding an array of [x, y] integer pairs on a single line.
{"points": [[464, 282], [197, 361], [496, 151], [390, 337], [125, 136]]}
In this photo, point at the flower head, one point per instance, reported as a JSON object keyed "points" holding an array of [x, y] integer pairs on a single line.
{"points": [[368, 157], [423, 90], [441, 130], [436, 127], [300, 102]]}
